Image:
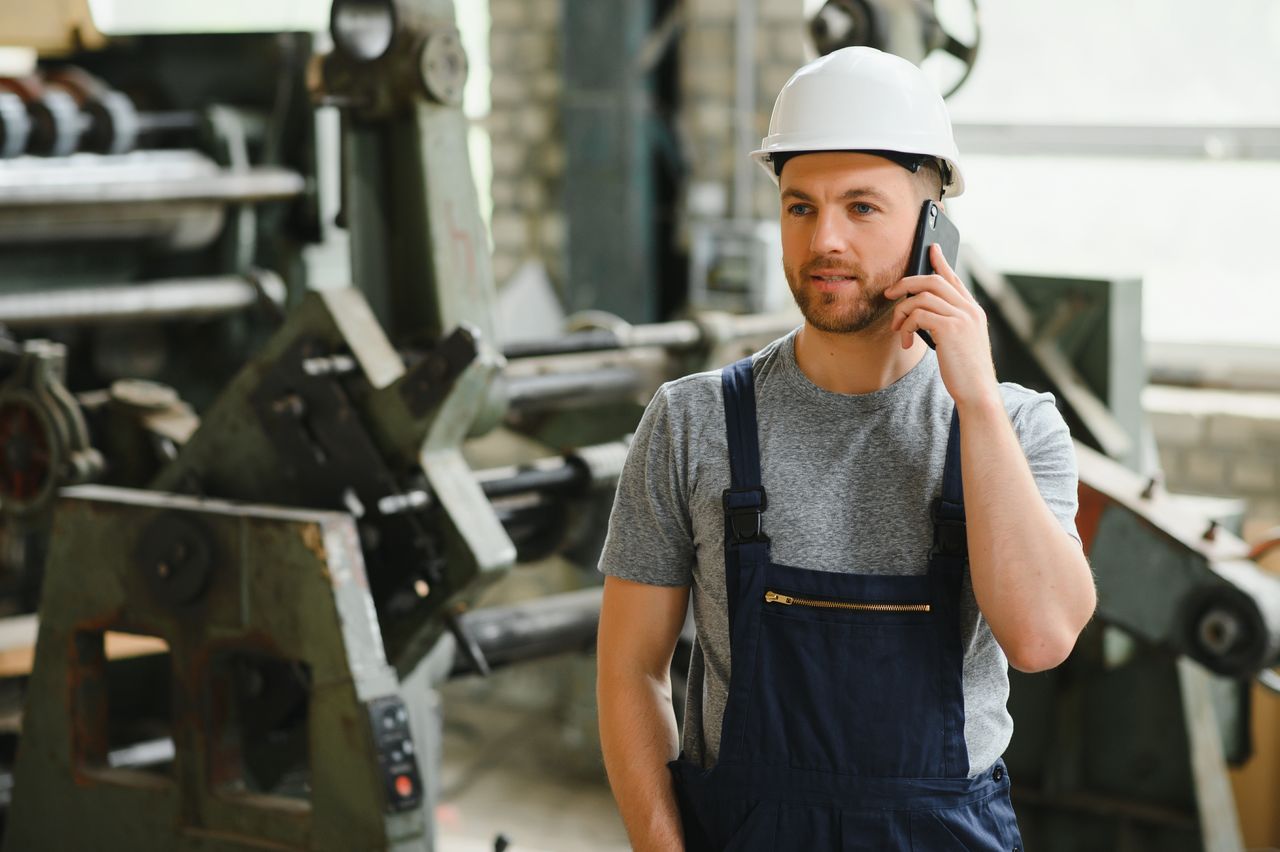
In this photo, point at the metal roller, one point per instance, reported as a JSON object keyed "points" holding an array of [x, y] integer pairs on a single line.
{"points": [[180, 298], [528, 631], [15, 126], [1174, 579], [177, 198], [560, 390]]}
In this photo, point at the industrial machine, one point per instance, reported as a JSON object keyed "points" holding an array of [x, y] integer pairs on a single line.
{"points": [[222, 697], [242, 498], [1126, 745]]}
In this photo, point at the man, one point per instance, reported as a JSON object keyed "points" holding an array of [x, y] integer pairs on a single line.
{"points": [[870, 528]]}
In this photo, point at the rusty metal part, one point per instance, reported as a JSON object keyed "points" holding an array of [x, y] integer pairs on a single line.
{"points": [[279, 688], [1162, 579], [27, 468], [1269, 541], [44, 442]]}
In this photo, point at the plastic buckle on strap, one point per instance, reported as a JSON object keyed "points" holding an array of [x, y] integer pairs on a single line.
{"points": [[743, 508], [950, 536]]}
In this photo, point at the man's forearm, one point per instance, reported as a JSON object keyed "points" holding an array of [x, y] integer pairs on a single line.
{"points": [[638, 737], [1031, 581]]}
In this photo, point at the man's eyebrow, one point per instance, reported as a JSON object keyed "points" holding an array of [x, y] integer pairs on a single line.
{"points": [[847, 195], [863, 192]]}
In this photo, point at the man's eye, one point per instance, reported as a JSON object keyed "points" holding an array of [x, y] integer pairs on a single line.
{"points": [[798, 209], [863, 209]]}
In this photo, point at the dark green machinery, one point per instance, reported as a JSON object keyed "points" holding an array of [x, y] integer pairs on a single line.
{"points": [[303, 551], [274, 660], [1126, 745], [280, 693]]}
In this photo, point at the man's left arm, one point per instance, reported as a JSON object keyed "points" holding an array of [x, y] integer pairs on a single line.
{"points": [[1030, 578]]}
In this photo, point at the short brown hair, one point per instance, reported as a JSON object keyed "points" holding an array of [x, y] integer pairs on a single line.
{"points": [[928, 178]]}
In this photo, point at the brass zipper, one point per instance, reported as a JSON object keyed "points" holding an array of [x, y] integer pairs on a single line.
{"points": [[789, 600]]}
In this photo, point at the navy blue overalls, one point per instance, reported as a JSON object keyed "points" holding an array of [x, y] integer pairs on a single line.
{"points": [[844, 724]]}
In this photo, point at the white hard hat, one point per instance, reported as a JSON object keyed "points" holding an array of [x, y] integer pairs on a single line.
{"points": [[862, 99]]}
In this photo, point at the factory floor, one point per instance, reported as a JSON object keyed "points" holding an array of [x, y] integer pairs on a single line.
{"points": [[520, 761]]}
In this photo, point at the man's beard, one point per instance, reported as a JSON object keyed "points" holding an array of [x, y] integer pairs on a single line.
{"points": [[855, 307]]}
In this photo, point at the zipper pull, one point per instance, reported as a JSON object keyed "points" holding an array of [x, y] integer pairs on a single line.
{"points": [[774, 597]]}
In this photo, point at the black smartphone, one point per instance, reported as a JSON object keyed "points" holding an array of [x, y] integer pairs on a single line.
{"points": [[933, 227]]}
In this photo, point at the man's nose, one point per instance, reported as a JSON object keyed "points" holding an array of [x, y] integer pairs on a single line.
{"points": [[830, 236]]}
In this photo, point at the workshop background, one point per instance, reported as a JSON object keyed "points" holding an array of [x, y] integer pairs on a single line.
{"points": [[323, 326]]}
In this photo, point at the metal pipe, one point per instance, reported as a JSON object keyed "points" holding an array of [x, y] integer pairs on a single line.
{"points": [[140, 755], [676, 335], [177, 298], [645, 356], [139, 178], [543, 627], [175, 199], [594, 340], [163, 122], [597, 466], [538, 392], [565, 475], [256, 184]]}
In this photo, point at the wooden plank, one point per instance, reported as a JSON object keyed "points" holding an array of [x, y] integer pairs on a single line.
{"points": [[18, 645]]}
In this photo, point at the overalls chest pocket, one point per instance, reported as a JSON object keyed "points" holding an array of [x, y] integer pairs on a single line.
{"points": [[847, 675]]}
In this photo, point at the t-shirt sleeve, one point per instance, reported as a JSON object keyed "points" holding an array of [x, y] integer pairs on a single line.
{"points": [[1051, 455], [650, 537]]}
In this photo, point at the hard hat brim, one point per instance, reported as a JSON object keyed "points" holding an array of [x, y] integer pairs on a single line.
{"points": [[952, 188]]}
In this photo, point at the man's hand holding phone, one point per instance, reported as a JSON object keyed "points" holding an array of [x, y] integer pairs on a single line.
{"points": [[942, 305]]}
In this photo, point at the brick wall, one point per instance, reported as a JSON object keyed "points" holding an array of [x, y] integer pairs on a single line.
{"points": [[1222, 443], [524, 126], [708, 84]]}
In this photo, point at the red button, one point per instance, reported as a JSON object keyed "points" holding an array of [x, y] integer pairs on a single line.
{"points": [[404, 786]]}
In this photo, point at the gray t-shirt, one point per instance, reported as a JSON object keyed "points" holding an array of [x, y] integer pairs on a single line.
{"points": [[850, 480]]}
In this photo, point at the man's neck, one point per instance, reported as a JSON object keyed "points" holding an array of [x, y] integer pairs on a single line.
{"points": [[855, 363]]}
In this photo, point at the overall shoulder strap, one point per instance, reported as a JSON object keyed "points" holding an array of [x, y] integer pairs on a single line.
{"points": [[744, 500], [949, 537], [740, 423]]}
